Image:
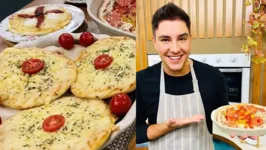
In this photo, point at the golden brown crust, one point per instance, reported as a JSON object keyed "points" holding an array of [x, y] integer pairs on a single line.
{"points": [[117, 78], [20, 91]]}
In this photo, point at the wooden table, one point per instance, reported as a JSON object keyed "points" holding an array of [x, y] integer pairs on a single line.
{"points": [[4, 44]]}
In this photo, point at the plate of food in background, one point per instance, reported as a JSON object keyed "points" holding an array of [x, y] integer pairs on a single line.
{"points": [[114, 17], [31, 23]]}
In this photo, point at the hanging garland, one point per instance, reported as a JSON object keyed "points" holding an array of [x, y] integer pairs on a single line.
{"points": [[257, 20]]}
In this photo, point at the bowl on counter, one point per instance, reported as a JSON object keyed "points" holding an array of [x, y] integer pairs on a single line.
{"points": [[93, 7]]}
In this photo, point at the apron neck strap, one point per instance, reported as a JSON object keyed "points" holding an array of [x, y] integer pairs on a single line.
{"points": [[194, 79]]}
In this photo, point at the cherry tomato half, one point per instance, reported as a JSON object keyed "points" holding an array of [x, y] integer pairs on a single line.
{"points": [[231, 112], [120, 104], [66, 41], [32, 66], [257, 121], [102, 61], [86, 39], [53, 123]]}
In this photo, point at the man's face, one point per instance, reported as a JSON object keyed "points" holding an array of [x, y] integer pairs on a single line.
{"points": [[173, 42]]}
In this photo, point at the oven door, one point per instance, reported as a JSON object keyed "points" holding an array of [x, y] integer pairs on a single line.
{"points": [[238, 84]]}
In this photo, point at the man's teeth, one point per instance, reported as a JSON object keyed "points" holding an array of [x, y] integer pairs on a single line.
{"points": [[174, 57]]}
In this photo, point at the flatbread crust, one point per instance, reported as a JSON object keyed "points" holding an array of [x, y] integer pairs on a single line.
{"points": [[19, 90], [27, 26], [88, 124], [119, 77], [221, 116]]}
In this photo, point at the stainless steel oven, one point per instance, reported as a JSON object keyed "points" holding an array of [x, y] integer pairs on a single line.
{"points": [[235, 68]]}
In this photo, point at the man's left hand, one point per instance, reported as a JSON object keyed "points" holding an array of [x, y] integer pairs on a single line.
{"points": [[243, 137]]}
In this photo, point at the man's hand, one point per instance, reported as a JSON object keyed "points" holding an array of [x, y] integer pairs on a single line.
{"points": [[157, 130], [175, 123], [243, 137]]}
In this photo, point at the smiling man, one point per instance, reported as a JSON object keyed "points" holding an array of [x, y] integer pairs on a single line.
{"points": [[175, 97]]}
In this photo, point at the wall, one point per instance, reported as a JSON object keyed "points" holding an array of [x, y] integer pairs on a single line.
{"points": [[216, 25]]}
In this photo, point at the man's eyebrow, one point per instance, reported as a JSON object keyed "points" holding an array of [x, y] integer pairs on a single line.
{"points": [[163, 36], [166, 36], [184, 34]]}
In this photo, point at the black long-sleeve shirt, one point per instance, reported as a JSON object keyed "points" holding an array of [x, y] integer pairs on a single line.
{"points": [[212, 87]]}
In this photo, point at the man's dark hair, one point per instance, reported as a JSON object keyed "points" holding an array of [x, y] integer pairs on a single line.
{"points": [[169, 11]]}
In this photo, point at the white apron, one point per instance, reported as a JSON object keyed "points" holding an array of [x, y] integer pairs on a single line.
{"points": [[194, 136]]}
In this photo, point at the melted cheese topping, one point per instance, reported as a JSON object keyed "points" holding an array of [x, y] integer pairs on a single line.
{"points": [[87, 125], [30, 22], [117, 76], [126, 26], [30, 10], [53, 16], [20, 90]]}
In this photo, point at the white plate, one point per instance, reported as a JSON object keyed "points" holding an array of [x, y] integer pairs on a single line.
{"points": [[52, 40], [235, 131], [77, 19], [77, 1]]}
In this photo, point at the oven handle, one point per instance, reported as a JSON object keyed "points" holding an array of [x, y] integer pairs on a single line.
{"points": [[231, 70]]}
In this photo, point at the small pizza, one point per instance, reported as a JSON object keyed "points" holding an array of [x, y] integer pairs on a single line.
{"points": [[65, 124], [120, 14], [32, 77], [106, 68], [246, 116], [39, 20]]}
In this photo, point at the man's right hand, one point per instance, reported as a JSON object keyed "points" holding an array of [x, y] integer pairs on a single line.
{"points": [[178, 122], [157, 130]]}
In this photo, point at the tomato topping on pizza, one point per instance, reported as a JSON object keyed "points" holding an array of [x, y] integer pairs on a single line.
{"points": [[230, 112], [103, 61], [257, 121], [32, 66], [243, 116], [53, 123], [114, 19]]}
